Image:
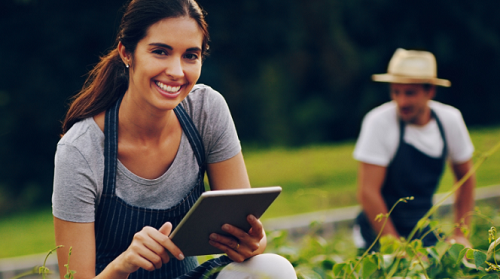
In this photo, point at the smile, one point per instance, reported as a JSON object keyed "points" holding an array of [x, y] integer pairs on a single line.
{"points": [[168, 88]]}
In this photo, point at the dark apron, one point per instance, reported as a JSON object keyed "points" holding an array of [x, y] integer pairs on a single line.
{"points": [[117, 221], [410, 173]]}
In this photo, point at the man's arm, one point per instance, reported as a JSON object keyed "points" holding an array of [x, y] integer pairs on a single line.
{"points": [[464, 201], [370, 181]]}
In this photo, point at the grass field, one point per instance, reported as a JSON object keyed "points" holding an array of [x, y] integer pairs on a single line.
{"points": [[313, 178]]}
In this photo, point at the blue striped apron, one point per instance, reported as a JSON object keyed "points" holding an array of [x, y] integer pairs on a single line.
{"points": [[117, 221], [410, 173]]}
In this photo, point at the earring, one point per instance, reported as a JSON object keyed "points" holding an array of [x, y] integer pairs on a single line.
{"points": [[126, 65]]}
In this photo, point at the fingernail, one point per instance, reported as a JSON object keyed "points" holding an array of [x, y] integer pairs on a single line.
{"points": [[180, 257], [213, 236], [225, 227]]}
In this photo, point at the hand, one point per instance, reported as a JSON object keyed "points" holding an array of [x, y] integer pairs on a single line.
{"points": [[148, 250], [244, 244]]}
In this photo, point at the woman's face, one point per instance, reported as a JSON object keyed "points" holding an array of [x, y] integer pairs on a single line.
{"points": [[166, 63]]}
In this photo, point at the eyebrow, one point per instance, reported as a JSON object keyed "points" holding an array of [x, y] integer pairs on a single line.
{"points": [[171, 48]]}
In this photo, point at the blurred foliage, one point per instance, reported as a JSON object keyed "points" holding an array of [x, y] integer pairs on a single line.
{"points": [[293, 72]]}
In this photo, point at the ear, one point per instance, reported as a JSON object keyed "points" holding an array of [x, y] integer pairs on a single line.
{"points": [[125, 56], [432, 92]]}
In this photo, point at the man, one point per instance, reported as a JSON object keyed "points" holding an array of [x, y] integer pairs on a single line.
{"points": [[403, 147]]}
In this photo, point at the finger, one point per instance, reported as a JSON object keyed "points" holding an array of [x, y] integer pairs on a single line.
{"points": [[230, 242], [161, 243], [231, 253], [145, 252], [165, 241], [252, 241], [166, 228], [257, 229]]}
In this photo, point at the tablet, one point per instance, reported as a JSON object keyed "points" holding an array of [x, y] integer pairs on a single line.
{"points": [[216, 208]]}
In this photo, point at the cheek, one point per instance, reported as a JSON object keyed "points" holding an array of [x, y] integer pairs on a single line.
{"points": [[194, 72]]}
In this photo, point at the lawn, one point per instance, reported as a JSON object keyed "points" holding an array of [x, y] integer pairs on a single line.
{"points": [[313, 178]]}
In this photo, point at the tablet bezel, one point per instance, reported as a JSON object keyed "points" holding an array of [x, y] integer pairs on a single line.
{"points": [[218, 207]]}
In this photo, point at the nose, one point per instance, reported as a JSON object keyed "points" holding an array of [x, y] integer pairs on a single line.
{"points": [[400, 99], [174, 68]]}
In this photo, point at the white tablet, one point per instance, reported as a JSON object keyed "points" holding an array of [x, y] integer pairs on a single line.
{"points": [[216, 208]]}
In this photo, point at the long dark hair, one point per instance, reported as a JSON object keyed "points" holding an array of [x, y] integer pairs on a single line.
{"points": [[108, 80]]}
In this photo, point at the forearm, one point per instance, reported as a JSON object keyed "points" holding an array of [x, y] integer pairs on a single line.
{"points": [[373, 205], [464, 203], [370, 181]]}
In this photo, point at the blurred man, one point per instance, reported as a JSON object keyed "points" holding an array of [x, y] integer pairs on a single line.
{"points": [[403, 147]]}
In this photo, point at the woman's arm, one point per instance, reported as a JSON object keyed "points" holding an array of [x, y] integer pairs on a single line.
{"points": [[148, 250], [228, 174], [79, 236], [232, 174]]}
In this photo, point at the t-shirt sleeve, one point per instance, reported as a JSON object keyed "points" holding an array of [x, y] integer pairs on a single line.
{"points": [[74, 192], [460, 145], [223, 142], [372, 146]]}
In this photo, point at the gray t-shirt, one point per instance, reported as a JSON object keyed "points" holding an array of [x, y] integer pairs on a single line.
{"points": [[79, 162]]}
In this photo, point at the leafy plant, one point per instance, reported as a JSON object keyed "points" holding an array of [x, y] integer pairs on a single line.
{"points": [[44, 270], [315, 257]]}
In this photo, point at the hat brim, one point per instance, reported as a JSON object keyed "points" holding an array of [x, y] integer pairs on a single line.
{"points": [[410, 80]]}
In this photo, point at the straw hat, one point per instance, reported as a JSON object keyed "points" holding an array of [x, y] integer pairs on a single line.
{"points": [[411, 66]]}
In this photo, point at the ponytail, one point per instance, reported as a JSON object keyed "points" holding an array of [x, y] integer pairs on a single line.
{"points": [[104, 85]]}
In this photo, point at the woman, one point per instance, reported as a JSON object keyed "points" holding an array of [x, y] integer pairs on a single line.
{"points": [[137, 141]]}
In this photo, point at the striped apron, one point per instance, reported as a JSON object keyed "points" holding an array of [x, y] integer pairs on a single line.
{"points": [[117, 221]]}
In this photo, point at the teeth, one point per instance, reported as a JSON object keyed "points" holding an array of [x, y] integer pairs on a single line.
{"points": [[168, 88]]}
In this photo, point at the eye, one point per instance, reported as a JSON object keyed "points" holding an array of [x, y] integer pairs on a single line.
{"points": [[159, 52], [191, 56]]}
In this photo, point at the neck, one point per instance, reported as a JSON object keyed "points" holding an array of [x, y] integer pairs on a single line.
{"points": [[141, 124], [423, 118]]}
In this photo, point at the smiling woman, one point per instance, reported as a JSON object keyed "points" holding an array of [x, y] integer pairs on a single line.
{"points": [[137, 141]]}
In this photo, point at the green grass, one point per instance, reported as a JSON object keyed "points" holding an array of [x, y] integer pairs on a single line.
{"points": [[322, 177], [26, 233], [313, 178]]}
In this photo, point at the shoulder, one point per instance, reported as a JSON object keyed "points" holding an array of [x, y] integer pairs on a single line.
{"points": [[206, 107], [382, 115], [448, 115], [202, 97], [84, 137], [379, 136]]}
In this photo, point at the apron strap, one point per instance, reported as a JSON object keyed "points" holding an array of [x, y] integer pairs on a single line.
{"points": [[192, 134], [111, 148]]}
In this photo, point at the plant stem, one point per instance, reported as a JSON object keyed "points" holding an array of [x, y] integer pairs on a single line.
{"points": [[433, 209], [380, 233]]}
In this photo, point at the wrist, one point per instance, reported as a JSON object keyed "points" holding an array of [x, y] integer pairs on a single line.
{"points": [[117, 269]]}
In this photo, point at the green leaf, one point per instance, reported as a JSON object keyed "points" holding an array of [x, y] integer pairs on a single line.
{"points": [[470, 254], [461, 255], [338, 269], [441, 248], [479, 258], [369, 266], [455, 250]]}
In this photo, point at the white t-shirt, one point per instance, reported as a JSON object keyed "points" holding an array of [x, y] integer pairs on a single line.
{"points": [[379, 137]]}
